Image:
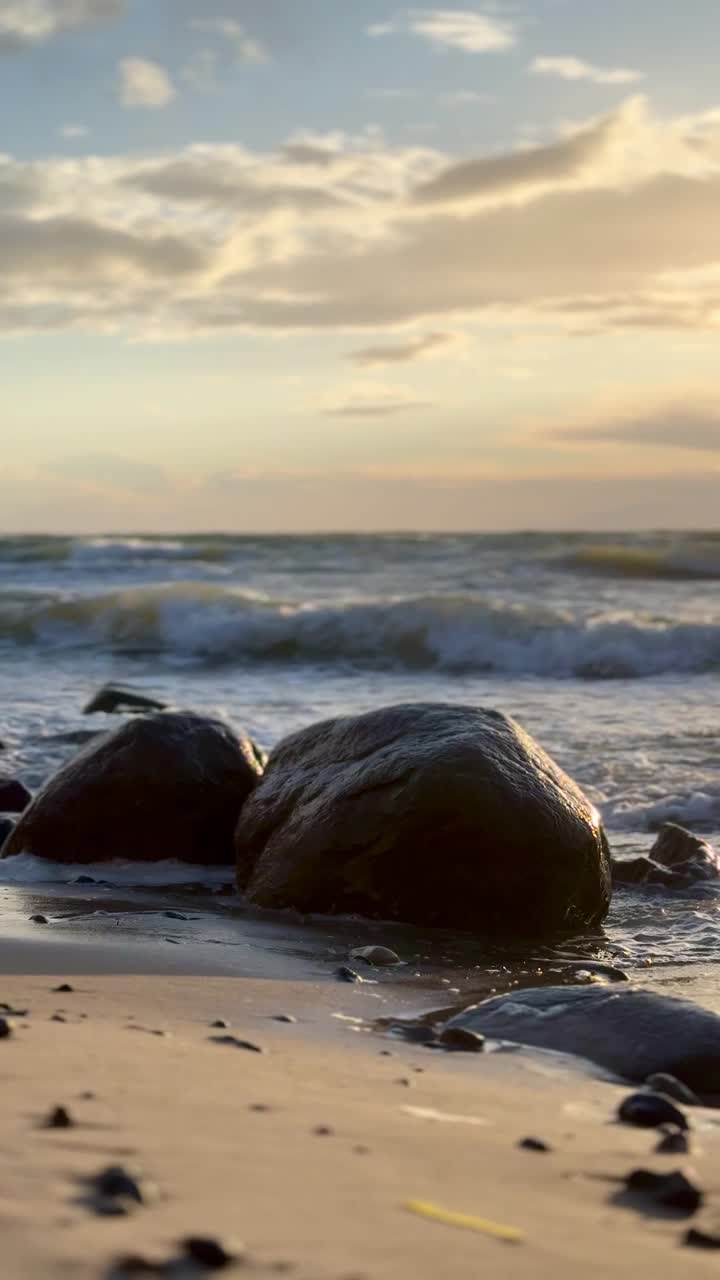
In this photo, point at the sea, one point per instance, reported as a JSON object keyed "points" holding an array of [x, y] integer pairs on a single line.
{"points": [[605, 646]]}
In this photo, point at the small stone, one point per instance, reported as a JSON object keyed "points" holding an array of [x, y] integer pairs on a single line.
{"points": [[377, 956], [696, 1239], [260, 1107], [344, 974], [135, 1265], [175, 915], [6, 1028], [672, 1088], [534, 1144], [650, 1111], [460, 1040], [84, 880], [116, 1183], [58, 1017], [63, 989], [674, 1141], [237, 1044], [39, 920], [220, 1024], [207, 1253], [59, 1118], [323, 1131], [669, 1190], [284, 1017], [407, 1083], [361, 1151]]}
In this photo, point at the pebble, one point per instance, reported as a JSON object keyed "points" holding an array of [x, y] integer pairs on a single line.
{"points": [[674, 1141], [64, 988], [6, 1028], [175, 915], [323, 1131], [670, 1190], [701, 1239], [377, 956], [534, 1144], [460, 1040], [39, 920], [260, 1106], [344, 974], [237, 1044], [59, 1118], [672, 1088], [207, 1253], [650, 1111], [220, 1024], [58, 1017], [135, 1265], [284, 1017], [84, 880], [405, 1081], [116, 1183]]}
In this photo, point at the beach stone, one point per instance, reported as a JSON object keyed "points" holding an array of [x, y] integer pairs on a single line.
{"points": [[685, 854], [460, 1040], [534, 1144], [429, 813], [631, 1033], [14, 796], [673, 1142], [117, 1182], [6, 1028], [64, 988], [344, 974], [159, 786], [207, 1253], [38, 919], [59, 1118], [6, 827], [660, 1082], [112, 698], [667, 1190], [650, 1111], [377, 956], [696, 1239]]}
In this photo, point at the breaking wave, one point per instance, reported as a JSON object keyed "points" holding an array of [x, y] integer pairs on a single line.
{"points": [[453, 633], [691, 561]]}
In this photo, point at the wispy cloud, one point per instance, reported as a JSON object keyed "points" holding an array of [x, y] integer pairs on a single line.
{"points": [[420, 348], [228, 29], [371, 400], [568, 68], [144, 84], [690, 421], [25, 23], [463, 29]]}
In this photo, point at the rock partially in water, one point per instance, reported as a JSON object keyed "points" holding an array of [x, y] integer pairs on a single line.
{"points": [[685, 854], [113, 698], [159, 786], [378, 956], [460, 1040], [208, 1253], [631, 1033], [428, 813], [14, 796], [7, 826], [650, 1111]]}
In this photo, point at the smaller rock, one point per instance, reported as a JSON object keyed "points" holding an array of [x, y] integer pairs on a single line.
{"points": [[650, 1111], [114, 697], [260, 1107], [377, 956], [344, 974], [668, 1190], [673, 1142], [237, 1044], [672, 1088], [284, 1017], [58, 1017], [59, 1118], [460, 1040], [64, 988], [39, 920], [6, 1028], [685, 854], [136, 1265], [84, 880], [116, 1183], [696, 1239], [405, 1082], [14, 797], [175, 915], [534, 1144], [220, 1024], [7, 826], [323, 1131], [208, 1253]]}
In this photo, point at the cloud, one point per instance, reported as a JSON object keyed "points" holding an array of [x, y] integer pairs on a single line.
{"points": [[228, 29], [567, 68], [451, 29], [24, 23], [689, 422], [419, 348], [144, 84], [367, 400]]}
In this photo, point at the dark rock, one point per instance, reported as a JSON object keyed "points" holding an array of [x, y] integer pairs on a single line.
{"points": [[116, 1183], [84, 880], [64, 988], [632, 1033], [377, 956], [207, 1253], [685, 854], [6, 1029], [220, 1024], [58, 1017], [237, 1044], [461, 1040], [39, 919], [59, 1118], [344, 974], [115, 697], [14, 797], [696, 1239], [674, 1141], [323, 1131], [650, 1111], [413, 1032], [284, 1017], [175, 915], [136, 1265], [672, 1088], [159, 786], [7, 826], [534, 1144], [429, 813], [666, 1190]]}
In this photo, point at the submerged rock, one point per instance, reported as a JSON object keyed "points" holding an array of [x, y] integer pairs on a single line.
{"points": [[428, 813], [14, 796], [159, 786], [677, 859], [117, 697], [633, 1034], [377, 956]]}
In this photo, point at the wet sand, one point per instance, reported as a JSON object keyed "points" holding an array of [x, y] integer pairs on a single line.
{"points": [[235, 1142]]}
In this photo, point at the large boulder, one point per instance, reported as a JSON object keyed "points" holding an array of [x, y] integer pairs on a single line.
{"points": [[159, 786], [634, 1034], [428, 813]]}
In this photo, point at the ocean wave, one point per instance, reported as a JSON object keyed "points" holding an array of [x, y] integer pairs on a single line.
{"points": [[698, 810], [460, 633], [698, 560]]}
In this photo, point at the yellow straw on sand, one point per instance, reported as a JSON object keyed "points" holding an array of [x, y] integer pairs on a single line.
{"points": [[424, 1209]]}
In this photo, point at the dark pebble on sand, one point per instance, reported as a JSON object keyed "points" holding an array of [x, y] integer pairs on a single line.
{"points": [[667, 1190], [284, 1017], [674, 1141], [345, 974], [115, 1183], [39, 920], [64, 989], [6, 1028], [261, 1107], [59, 1118], [135, 1265], [235, 1043], [672, 1088], [323, 1131], [377, 956], [175, 915], [58, 1017], [460, 1040], [650, 1111], [220, 1024], [406, 1082], [534, 1144], [207, 1253], [701, 1239]]}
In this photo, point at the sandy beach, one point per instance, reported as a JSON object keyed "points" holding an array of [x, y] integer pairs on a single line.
{"points": [[305, 1157]]}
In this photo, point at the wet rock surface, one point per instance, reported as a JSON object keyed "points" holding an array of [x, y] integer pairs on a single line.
{"points": [[112, 698], [376, 956], [14, 796], [677, 859], [158, 786], [426, 813], [631, 1033], [673, 1191], [650, 1111]]}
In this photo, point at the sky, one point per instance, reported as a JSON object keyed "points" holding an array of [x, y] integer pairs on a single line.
{"points": [[343, 264]]}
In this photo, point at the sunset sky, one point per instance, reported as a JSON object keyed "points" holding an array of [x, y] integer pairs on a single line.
{"points": [[341, 264]]}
